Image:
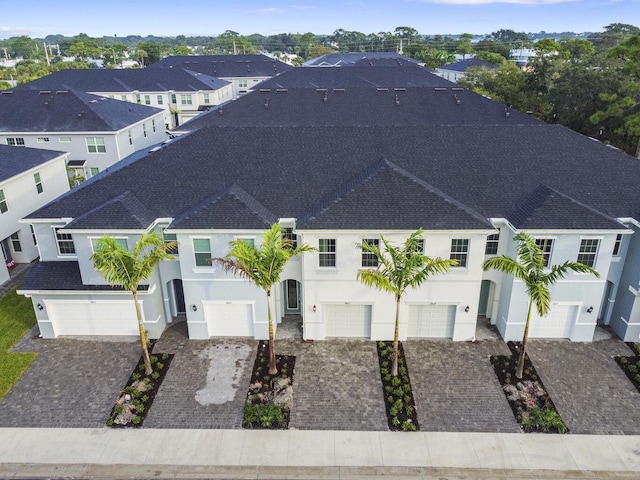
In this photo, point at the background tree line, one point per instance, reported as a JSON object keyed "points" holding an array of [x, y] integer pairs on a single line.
{"points": [[589, 82]]}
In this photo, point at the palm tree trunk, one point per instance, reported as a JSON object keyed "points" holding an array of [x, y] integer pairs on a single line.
{"points": [[396, 334], [520, 368], [272, 343], [143, 336]]}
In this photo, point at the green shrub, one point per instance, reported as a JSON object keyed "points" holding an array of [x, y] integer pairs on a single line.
{"points": [[136, 376], [543, 420], [395, 421], [153, 359], [408, 426], [165, 356], [155, 375], [136, 419], [623, 360], [266, 415], [159, 365]]}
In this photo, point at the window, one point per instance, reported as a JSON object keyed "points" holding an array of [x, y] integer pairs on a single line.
{"points": [[3, 202], [144, 129], [202, 251], [159, 99], [65, 243], [617, 245], [15, 243], [247, 240], [460, 251], [96, 145], [206, 97], [492, 244], [289, 235], [138, 100], [36, 178], [43, 139], [327, 248], [15, 141], [243, 83], [153, 125], [94, 171], [65, 139], [123, 97], [171, 237], [185, 99], [546, 245], [147, 99], [588, 250], [370, 259], [173, 98], [121, 242], [33, 234], [130, 135], [417, 247]]}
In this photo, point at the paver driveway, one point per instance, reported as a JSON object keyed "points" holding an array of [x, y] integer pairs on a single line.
{"points": [[73, 383]]}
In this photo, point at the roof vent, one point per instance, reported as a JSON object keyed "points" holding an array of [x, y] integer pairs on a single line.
{"points": [[282, 90], [397, 99], [458, 101], [399, 89], [264, 90], [62, 91], [382, 89], [440, 89], [321, 89], [326, 97], [457, 89], [220, 111], [266, 103], [339, 90], [507, 113], [45, 92]]}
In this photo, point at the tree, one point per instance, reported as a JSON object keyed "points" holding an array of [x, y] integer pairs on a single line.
{"points": [[152, 50], [537, 277], [464, 46], [263, 265], [128, 269], [400, 268]]}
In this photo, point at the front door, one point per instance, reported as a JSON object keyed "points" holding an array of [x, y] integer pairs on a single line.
{"points": [[179, 296], [292, 297]]}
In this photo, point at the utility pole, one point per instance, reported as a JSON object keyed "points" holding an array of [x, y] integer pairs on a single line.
{"points": [[46, 53]]}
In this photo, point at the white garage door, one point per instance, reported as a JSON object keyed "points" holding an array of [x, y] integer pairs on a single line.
{"points": [[229, 319], [557, 324], [431, 321], [352, 321], [106, 317]]}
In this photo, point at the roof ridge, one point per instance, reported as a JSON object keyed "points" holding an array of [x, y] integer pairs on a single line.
{"points": [[439, 193], [346, 187]]}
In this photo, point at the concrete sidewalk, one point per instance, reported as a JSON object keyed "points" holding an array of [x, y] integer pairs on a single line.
{"points": [[242, 454]]}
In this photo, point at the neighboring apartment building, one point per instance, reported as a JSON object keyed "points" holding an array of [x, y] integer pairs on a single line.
{"points": [[29, 179], [470, 186], [358, 59], [96, 131], [182, 93], [245, 72]]}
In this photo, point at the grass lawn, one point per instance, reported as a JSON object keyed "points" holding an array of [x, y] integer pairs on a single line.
{"points": [[16, 319]]}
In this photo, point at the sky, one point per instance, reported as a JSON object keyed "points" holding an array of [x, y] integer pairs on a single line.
{"points": [[39, 18]]}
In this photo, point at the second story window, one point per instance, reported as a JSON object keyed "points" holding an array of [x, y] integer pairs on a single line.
{"points": [[3, 202], [15, 141], [144, 129], [327, 249], [617, 245], [289, 235], [121, 242], [546, 245], [370, 259], [153, 125], [171, 237], [492, 244], [588, 251], [65, 243], [206, 98], [243, 83], [173, 98], [460, 251], [147, 100], [130, 135], [36, 178], [15, 242], [96, 145], [202, 251], [159, 99], [185, 99]]}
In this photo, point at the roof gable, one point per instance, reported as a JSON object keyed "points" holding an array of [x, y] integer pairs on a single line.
{"points": [[16, 160]]}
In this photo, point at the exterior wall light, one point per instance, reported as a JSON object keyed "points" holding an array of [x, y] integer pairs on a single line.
{"points": [[590, 309], [39, 306], [466, 309], [314, 309], [194, 308]]}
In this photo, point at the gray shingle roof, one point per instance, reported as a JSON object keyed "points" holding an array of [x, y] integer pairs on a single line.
{"points": [[360, 107], [358, 59], [225, 66], [293, 172], [388, 77], [463, 65], [67, 111], [127, 80], [62, 276], [15, 160]]}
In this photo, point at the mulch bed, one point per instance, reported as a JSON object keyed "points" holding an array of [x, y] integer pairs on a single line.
{"points": [[132, 397], [270, 397], [631, 365], [397, 393], [530, 402]]}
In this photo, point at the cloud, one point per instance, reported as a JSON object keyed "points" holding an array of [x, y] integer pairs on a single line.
{"points": [[486, 2], [302, 7], [267, 11], [8, 32]]}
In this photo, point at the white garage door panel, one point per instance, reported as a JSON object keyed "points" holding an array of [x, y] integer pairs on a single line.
{"points": [[93, 318], [229, 319], [352, 321], [557, 324], [435, 321]]}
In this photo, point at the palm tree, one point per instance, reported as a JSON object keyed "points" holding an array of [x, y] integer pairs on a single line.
{"points": [[398, 269], [127, 269], [263, 266], [530, 268]]}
